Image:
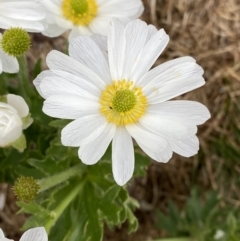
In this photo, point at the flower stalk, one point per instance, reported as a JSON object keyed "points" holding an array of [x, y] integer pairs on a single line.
{"points": [[23, 76], [56, 213], [52, 181]]}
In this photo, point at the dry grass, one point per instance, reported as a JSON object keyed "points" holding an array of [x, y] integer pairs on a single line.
{"points": [[208, 30]]}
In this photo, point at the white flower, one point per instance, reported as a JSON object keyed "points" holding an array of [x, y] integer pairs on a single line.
{"points": [[2, 200], [8, 64], [219, 234], [14, 117], [26, 14], [33, 234], [85, 17], [116, 98]]}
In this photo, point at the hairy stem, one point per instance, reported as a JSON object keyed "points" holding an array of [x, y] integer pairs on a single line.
{"points": [[52, 181], [23, 76], [56, 213]]}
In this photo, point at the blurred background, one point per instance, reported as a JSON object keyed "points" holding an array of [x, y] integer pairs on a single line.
{"points": [[196, 197]]}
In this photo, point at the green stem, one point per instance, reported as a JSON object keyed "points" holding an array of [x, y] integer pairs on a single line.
{"points": [[3, 84], [63, 205], [52, 181], [23, 76]]}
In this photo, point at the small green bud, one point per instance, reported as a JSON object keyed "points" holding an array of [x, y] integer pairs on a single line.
{"points": [[15, 42], [26, 189]]}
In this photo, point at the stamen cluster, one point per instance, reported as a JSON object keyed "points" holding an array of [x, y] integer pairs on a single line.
{"points": [[79, 12], [123, 103]]}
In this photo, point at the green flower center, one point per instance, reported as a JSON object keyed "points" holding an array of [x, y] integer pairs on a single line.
{"points": [[79, 6], [26, 189], [15, 41], [80, 12], [124, 101]]}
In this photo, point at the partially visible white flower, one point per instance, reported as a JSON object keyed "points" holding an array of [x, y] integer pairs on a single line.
{"points": [[8, 64], [33, 234], [2, 200], [26, 14], [3, 195], [114, 96], [14, 117], [219, 234], [85, 17]]}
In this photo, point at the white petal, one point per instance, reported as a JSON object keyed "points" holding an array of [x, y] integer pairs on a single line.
{"points": [[69, 84], [63, 22], [159, 156], [153, 74], [75, 133], [174, 73], [51, 6], [30, 26], [36, 234], [101, 41], [78, 31], [24, 10], [187, 147], [140, 134], [121, 8], [39, 79], [53, 30], [151, 31], [153, 48], [153, 145], [189, 111], [58, 61], [11, 136], [116, 48], [174, 89], [92, 151], [9, 63], [1, 234], [171, 127], [69, 106], [100, 24], [136, 33], [122, 156], [87, 52], [19, 104]]}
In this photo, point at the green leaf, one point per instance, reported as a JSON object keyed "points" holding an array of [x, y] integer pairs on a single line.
{"points": [[20, 144], [37, 68], [59, 123], [141, 163], [98, 200]]}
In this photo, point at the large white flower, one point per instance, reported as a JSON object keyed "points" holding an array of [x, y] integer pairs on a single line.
{"points": [[85, 17], [14, 117], [33, 234], [114, 97], [26, 14]]}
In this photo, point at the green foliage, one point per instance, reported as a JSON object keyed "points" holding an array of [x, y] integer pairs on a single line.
{"points": [[202, 220], [84, 203]]}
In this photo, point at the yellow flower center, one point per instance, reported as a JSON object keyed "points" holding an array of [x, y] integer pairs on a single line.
{"points": [[122, 103], [79, 12]]}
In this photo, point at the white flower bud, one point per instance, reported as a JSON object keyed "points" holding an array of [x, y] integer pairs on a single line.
{"points": [[13, 110], [219, 234]]}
